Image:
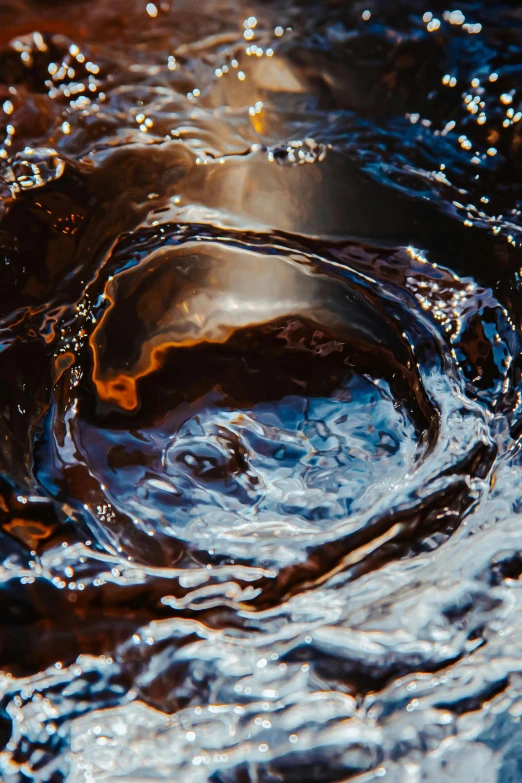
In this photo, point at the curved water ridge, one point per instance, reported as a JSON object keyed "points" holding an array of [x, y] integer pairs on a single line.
{"points": [[260, 474]]}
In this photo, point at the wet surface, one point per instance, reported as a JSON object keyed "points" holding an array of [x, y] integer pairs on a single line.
{"points": [[260, 409]]}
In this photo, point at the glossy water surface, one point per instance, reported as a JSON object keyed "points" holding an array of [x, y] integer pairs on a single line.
{"points": [[260, 400]]}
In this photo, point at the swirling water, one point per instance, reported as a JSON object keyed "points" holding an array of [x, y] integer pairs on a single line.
{"points": [[260, 409]]}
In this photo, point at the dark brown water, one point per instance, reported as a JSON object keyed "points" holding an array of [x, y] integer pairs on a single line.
{"points": [[260, 399]]}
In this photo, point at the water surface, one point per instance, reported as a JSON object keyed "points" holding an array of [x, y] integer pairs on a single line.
{"points": [[260, 473]]}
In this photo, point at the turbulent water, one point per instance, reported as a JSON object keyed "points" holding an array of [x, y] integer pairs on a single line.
{"points": [[260, 400]]}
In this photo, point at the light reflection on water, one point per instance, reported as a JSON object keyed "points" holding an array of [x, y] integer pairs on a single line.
{"points": [[259, 422]]}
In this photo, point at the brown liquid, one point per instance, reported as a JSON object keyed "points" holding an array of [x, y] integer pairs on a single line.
{"points": [[260, 366]]}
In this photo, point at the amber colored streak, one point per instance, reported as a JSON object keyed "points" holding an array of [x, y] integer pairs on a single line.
{"points": [[63, 362], [121, 388], [49, 324], [29, 531]]}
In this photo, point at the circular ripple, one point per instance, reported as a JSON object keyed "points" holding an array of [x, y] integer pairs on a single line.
{"points": [[244, 401]]}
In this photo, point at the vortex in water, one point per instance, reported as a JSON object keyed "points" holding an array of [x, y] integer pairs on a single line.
{"points": [[255, 405]]}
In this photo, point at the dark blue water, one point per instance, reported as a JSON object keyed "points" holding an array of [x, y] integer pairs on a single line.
{"points": [[260, 399]]}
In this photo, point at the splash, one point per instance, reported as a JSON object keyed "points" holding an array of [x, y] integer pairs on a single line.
{"points": [[259, 427]]}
